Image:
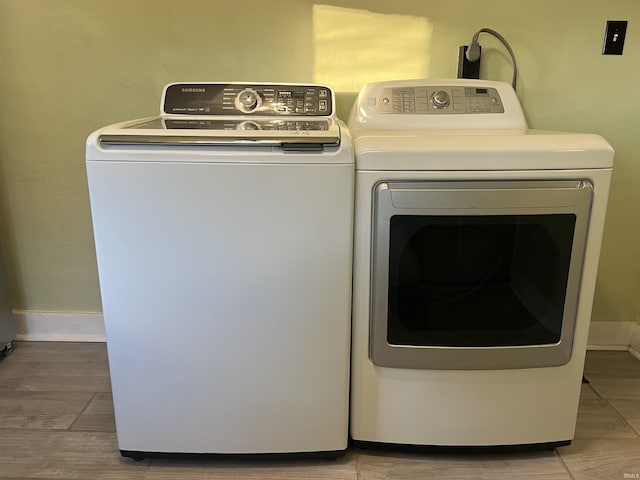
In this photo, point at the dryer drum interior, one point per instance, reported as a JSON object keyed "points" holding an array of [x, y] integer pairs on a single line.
{"points": [[478, 281]]}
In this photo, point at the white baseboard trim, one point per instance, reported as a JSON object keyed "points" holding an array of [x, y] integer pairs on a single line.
{"points": [[608, 348], [611, 335], [89, 327], [59, 326], [634, 348]]}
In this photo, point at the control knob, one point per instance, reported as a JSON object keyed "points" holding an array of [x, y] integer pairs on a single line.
{"points": [[440, 99], [248, 100]]}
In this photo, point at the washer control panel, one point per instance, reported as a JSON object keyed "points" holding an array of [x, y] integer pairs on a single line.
{"points": [[287, 124], [439, 100], [247, 99]]}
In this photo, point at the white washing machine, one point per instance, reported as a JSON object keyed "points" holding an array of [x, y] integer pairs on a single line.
{"points": [[475, 256], [223, 233]]}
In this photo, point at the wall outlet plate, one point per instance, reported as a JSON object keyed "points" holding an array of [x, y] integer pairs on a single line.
{"points": [[467, 69], [614, 37]]}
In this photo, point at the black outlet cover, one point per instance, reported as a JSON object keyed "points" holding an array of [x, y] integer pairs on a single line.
{"points": [[614, 37], [467, 69]]}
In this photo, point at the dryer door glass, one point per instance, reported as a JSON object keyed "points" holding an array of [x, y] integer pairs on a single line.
{"points": [[478, 281], [476, 274]]}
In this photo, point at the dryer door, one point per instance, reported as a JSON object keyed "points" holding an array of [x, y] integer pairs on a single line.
{"points": [[476, 275]]}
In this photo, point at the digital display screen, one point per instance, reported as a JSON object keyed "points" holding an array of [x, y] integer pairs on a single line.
{"points": [[290, 94], [481, 91]]}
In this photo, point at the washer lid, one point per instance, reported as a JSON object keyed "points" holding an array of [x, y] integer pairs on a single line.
{"points": [[294, 132]]}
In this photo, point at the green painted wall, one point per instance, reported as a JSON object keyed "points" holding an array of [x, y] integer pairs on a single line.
{"points": [[70, 66]]}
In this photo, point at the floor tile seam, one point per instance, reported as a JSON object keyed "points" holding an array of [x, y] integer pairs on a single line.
{"points": [[89, 430], [623, 417], [70, 357], [64, 371], [600, 396], [44, 430], [35, 478], [53, 392], [95, 394], [564, 464], [34, 372], [589, 385], [23, 380], [41, 342], [25, 389]]}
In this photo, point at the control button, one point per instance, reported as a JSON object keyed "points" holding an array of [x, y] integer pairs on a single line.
{"points": [[323, 93], [440, 99], [323, 105], [386, 100], [248, 100]]}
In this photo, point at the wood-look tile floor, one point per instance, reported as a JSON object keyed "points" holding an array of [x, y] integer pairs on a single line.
{"points": [[56, 421]]}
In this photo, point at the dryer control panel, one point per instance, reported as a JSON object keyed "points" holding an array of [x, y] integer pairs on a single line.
{"points": [[234, 99], [442, 104], [439, 100]]}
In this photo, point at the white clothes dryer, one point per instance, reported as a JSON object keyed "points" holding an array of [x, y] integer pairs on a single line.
{"points": [[223, 233], [475, 256]]}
